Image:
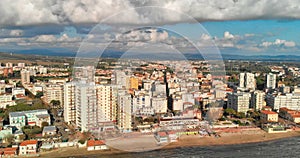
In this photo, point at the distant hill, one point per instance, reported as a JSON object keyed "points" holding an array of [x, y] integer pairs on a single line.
{"points": [[37, 53]]}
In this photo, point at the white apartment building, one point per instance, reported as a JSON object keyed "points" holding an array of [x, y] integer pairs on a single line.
{"points": [[17, 90], [247, 80], [239, 101], [140, 100], [257, 100], [86, 106], [159, 104], [289, 100], [271, 81], [54, 92], [6, 100], [69, 102]]}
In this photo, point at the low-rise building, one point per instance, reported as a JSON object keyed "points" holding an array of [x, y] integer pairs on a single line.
{"points": [[291, 115], [28, 147], [31, 117], [268, 116], [49, 131], [96, 145]]}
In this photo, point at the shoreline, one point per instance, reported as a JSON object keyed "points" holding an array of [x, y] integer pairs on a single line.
{"points": [[184, 141]]}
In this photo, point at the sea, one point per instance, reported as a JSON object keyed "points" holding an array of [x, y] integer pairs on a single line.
{"points": [[287, 147]]}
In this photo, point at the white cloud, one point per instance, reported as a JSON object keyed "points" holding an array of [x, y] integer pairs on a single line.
{"points": [[228, 35], [279, 42], [29, 12]]}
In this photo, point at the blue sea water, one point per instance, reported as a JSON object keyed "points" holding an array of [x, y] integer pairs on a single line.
{"points": [[288, 147]]}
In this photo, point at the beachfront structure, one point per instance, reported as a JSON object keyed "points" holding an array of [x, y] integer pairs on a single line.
{"points": [[271, 81], [96, 145], [289, 114], [238, 101], [257, 100], [268, 116], [289, 100], [32, 118], [247, 80], [161, 137], [28, 147], [106, 103]]}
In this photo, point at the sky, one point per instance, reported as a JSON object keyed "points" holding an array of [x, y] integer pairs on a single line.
{"points": [[241, 27]]}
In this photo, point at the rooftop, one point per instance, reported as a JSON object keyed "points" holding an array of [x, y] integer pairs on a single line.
{"points": [[28, 142]]}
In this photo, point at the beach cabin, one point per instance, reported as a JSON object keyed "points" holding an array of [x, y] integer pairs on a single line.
{"points": [[161, 137], [96, 145]]}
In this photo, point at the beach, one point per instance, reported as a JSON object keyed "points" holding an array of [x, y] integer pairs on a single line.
{"points": [[184, 141]]}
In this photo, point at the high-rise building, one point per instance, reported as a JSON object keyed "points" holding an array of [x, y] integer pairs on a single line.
{"points": [[86, 106], [134, 83], [271, 81], [25, 76], [124, 111], [247, 80], [54, 92], [69, 102], [257, 100], [106, 103], [239, 101]]}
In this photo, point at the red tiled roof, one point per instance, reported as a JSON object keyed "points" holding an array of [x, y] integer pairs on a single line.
{"points": [[267, 112], [162, 134], [28, 142], [95, 143]]}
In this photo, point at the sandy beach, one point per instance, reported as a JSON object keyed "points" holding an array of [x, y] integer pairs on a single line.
{"points": [[184, 141]]}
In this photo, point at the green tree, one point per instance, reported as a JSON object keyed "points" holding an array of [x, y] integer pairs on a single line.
{"points": [[229, 111]]}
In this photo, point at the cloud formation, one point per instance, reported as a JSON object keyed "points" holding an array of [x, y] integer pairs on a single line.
{"points": [[30, 12]]}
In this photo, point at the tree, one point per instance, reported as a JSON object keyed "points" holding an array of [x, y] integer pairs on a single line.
{"points": [[39, 94], [55, 102], [229, 111]]}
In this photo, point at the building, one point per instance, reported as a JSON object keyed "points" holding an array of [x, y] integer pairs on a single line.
{"points": [[96, 145], [106, 103], [291, 115], [134, 83], [289, 100], [86, 106], [32, 118], [159, 104], [69, 102], [49, 131], [28, 147], [162, 137], [25, 76], [85, 74], [247, 80], [54, 92], [238, 101], [271, 81], [268, 116], [6, 100], [124, 111], [257, 100], [18, 90]]}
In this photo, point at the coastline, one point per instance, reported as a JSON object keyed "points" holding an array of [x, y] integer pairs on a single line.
{"points": [[184, 141]]}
